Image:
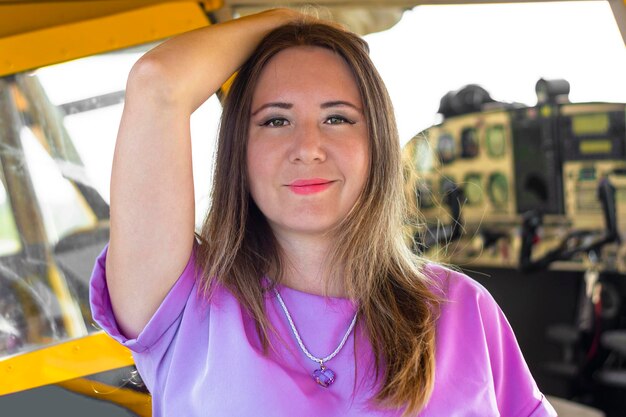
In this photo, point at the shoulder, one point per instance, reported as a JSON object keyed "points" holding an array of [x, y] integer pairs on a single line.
{"points": [[453, 285], [478, 357], [465, 302], [183, 296]]}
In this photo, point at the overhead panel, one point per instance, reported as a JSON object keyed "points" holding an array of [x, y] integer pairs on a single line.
{"points": [[359, 17]]}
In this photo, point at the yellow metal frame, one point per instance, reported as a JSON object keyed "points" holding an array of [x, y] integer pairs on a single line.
{"points": [[74, 40], [20, 52], [62, 362], [137, 402]]}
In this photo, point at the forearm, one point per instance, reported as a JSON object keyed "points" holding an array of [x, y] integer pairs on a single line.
{"points": [[187, 69]]}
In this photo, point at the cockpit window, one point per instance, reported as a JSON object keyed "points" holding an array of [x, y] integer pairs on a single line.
{"points": [[9, 237], [58, 126], [503, 47]]}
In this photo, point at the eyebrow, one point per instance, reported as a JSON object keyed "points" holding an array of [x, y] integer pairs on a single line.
{"points": [[280, 105], [287, 106], [339, 103]]}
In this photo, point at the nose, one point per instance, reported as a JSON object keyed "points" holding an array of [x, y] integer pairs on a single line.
{"points": [[308, 145]]}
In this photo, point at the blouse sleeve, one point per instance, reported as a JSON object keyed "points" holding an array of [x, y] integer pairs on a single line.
{"points": [[516, 392], [166, 316]]}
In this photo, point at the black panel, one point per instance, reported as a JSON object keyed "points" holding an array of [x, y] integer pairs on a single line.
{"points": [[538, 183], [535, 302], [532, 303]]}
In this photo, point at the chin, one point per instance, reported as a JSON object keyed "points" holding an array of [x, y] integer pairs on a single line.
{"points": [[304, 226]]}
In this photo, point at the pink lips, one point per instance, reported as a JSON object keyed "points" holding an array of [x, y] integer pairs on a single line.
{"points": [[309, 186]]}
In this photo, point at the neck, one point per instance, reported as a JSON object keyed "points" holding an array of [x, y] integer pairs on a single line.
{"points": [[306, 265]]}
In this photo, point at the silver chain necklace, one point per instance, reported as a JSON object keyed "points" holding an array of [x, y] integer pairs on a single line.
{"points": [[323, 376]]}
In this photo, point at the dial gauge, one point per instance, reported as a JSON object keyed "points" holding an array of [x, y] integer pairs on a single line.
{"points": [[469, 143], [496, 141], [446, 148], [473, 188], [498, 189], [425, 194], [424, 156], [447, 184]]}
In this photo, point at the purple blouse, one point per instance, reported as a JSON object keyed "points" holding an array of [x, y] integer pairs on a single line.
{"points": [[201, 358]]}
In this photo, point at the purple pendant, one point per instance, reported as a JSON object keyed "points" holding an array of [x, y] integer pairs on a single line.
{"points": [[324, 376]]}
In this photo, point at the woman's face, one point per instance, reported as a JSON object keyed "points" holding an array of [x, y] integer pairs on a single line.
{"points": [[307, 151]]}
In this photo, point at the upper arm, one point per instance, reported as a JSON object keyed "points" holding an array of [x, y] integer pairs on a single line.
{"points": [[152, 202]]}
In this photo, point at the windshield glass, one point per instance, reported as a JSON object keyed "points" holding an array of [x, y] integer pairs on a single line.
{"points": [[505, 48], [58, 126]]}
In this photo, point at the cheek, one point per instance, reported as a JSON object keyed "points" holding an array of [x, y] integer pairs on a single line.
{"points": [[251, 169], [259, 172], [360, 164], [249, 162]]}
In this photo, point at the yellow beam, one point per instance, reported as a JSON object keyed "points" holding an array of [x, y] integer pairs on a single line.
{"points": [[74, 40], [27, 16], [137, 402], [69, 360]]}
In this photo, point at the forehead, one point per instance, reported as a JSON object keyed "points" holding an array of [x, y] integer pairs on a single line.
{"points": [[306, 72]]}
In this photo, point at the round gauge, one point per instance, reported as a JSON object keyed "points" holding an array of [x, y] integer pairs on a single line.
{"points": [[425, 194], [496, 141], [447, 185], [423, 155], [498, 189], [473, 189], [445, 148], [469, 143]]}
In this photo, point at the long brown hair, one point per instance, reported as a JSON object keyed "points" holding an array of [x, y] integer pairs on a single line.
{"points": [[397, 306]]}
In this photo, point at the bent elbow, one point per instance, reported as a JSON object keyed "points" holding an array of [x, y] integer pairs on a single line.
{"points": [[150, 79]]}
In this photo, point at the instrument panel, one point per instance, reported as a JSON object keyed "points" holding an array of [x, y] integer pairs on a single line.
{"points": [[501, 164], [471, 153]]}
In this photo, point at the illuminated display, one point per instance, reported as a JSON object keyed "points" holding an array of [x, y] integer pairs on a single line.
{"points": [[595, 147], [590, 124]]}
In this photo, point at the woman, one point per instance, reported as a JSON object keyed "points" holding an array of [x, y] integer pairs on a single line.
{"points": [[302, 297]]}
